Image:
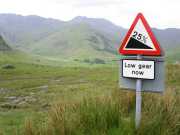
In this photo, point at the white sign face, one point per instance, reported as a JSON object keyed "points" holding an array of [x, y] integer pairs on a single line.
{"points": [[138, 69], [140, 39]]}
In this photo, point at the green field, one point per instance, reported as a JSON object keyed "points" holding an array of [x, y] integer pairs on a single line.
{"points": [[49, 97]]}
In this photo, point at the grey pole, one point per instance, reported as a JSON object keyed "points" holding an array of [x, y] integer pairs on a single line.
{"points": [[138, 99]]}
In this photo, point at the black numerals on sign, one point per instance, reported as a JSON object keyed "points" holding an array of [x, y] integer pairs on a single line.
{"points": [[135, 34], [139, 37]]}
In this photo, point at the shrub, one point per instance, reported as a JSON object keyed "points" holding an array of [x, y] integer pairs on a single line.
{"points": [[87, 61], [8, 66], [99, 61]]}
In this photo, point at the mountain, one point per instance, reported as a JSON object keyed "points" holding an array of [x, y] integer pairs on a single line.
{"points": [[101, 25], [80, 37], [3, 45], [168, 38], [21, 31]]}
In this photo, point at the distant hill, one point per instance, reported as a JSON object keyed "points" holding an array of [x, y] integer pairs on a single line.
{"points": [[3, 45], [80, 37], [21, 31], [77, 40], [168, 38]]}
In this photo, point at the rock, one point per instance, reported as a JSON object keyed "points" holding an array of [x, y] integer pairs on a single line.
{"points": [[11, 98], [32, 93], [23, 104], [4, 90], [44, 88], [177, 63], [30, 99], [45, 106], [16, 102], [14, 99]]}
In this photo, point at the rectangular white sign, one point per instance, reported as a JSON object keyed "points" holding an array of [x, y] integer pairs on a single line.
{"points": [[138, 69]]}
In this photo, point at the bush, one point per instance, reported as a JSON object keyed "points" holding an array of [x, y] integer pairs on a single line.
{"points": [[87, 61], [76, 59], [8, 66], [99, 61]]}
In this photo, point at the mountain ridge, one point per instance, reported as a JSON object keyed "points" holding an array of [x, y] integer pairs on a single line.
{"points": [[79, 37]]}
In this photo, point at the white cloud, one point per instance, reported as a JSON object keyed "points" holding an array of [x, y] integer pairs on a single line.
{"points": [[159, 13]]}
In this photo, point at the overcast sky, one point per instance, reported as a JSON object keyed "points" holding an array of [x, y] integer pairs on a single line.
{"points": [[159, 13]]}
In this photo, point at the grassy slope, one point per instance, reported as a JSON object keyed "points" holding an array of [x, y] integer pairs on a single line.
{"points": [[74, 41], [41, 86], [28, 79]]}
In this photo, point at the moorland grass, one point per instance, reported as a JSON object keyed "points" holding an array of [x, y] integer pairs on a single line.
{"points": [[84, 101]]}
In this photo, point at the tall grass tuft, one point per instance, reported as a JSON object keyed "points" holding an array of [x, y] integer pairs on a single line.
{"points": [[160, 114], [99, 114], [113, 115], [28, 128], [92, 116], [1, 133]]}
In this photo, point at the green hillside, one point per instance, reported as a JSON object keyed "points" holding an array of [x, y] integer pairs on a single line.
{"points": [[76, 41], [79, 38], [20, 31], [38, 99], [3, 45]]}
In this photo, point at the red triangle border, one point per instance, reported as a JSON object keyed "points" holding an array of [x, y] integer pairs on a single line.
{"points": [[156, 52]]}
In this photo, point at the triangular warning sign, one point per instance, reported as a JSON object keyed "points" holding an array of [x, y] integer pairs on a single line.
{"points": [[140, 39]]}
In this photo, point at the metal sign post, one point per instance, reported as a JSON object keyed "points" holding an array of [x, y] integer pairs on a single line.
{"points": [[143, 67], [138, 99]]}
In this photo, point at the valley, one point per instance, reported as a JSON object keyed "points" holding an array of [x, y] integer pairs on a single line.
{"points": [[62, 78]]}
